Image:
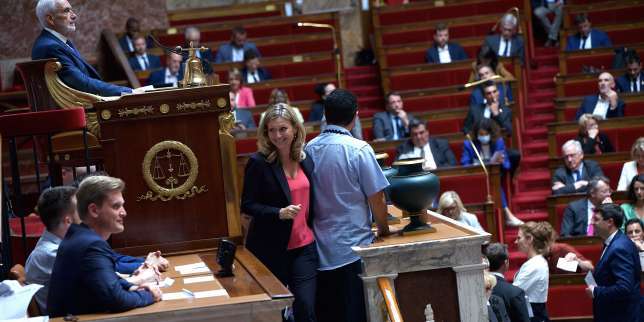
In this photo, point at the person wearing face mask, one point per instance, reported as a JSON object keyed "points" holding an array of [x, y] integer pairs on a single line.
{"points": [[592, 141], [605, 105], [485, 136]]}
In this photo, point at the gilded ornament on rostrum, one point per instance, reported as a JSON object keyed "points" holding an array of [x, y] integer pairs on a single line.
{"points": [[203, 104], [135, 111]]}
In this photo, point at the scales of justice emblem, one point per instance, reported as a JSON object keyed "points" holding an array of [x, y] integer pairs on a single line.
{"points": [[170, 170]]}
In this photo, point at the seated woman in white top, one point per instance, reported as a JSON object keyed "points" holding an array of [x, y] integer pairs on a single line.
{"points": [[532, 277], [634, 167], [450, 205]]}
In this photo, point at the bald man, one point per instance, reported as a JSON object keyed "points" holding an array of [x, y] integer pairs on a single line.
{"points": [[605, 105]]}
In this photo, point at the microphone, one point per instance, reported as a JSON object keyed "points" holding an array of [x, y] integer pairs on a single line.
{"points": [[487, 175], [478, 82]]}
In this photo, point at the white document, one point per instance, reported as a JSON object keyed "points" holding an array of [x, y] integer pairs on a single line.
{"points": [[15, 299], [213, 293], [175, 296], [197, 270], [566, 265], [590, 279], [43, 318], [189, 266], [167, 282], [198, 279]]}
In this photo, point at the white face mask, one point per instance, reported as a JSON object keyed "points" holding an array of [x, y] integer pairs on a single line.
{"points": [[484, 139]]}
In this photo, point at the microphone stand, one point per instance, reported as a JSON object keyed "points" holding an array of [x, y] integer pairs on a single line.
{"points": [[487, 175], [336, 49]]}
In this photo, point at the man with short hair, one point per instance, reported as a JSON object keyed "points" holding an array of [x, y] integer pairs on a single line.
{"points": [[141, 60], [513, 297], [477, 97], [353, 197], [435, 151], [633, 80], [576, 218], [58, 20], [443, 51], [132, 27], [617, 273], [542, 8], [507, 43], [57, 211], [394, 123], [233, 51], [493, 108], [605, 105], [83, 279], [573, 177], [170, 75], [252, 72], [192, 35], [586, 36]]}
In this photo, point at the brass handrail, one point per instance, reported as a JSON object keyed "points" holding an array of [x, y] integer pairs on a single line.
{"points": [[390, 299]]}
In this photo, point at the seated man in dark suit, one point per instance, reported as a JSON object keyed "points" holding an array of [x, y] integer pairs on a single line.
{"points": [[574, 175], [394, 123], [234, 50], [141, 60], [576, 217], [436, 152], [507, 43], [586, 36], [192, 36], [477, 97], [513, 297], [59, 23], [605, 105], [493, 108], [317, 108], [84, 278], [170, 75], [633, 80], [252, 72], [132, 27], [444, 51]]}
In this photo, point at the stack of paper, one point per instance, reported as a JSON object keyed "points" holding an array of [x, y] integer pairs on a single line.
{"points": [[195, 268]]}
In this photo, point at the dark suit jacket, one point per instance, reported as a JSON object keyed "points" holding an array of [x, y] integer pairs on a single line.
{"points": [[225, 52], [126, 48], [475, 114], [153, 61], [514, 299], [505, 94], [83, 278], [263, 74], [456, 53], [245, 117], [443, 155], [575, 219], [317, 111], [206, 60], [564, 175], [617, 295], [516, 45], [265, 192], [498, 309], [157, 78], [382, 126], [588, 144], [598, 39], [623, 83], [588, 106], [76, 72]]}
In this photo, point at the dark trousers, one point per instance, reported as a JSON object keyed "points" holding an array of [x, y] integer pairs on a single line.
{"points": [[340, 294], [539, 312], [302, 281]]}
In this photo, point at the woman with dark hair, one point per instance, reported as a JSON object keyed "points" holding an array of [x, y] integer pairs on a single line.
{"points": [[592, 140], [278, 195], [277, 96], [487, 56], [635, 207], [635, 231], [240, 95]]}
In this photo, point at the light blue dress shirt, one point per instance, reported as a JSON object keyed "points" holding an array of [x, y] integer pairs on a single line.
{"points": [[39, 265], [346, 174]]}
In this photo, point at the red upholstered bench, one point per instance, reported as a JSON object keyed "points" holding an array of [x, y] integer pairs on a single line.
{"points": [[568, 301], [196, 21], [615, 13], [425, 34], [424, 11]]}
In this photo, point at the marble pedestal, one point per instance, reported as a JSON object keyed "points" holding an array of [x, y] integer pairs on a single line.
{"points": [[442, 269]]}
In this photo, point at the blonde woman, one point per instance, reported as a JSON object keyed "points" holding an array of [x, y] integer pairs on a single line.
{"points": [[633, 167], [591, 139], [450, 205], [534, 240], [278, 196]]}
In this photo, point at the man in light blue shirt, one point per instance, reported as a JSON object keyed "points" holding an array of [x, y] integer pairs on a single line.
{"points": [[348, 197]]}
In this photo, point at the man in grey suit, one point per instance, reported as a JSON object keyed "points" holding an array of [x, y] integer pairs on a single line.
{"points": [[436, 152], [574, 175], [234, 50], [394, 123], [576, 218], [507, 43]]}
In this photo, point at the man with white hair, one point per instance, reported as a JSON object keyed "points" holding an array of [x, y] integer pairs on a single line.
{"points": [[193, 35], [605, 105], [58, 20], [507, 43], [573, 177]]}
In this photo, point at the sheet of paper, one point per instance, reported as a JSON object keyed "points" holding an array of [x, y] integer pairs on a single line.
{"points": [[566, 265], [13, 305], [197, 270], [198, 279], [213, 293], [175, 296], [590, 279], [33, 319], [189, 266], [167, 282]]}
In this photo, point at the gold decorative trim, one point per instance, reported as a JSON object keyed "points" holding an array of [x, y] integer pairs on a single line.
{"points": [[226, 123], [164, 108], [135, 111], [203, 104], [221, 102], [164, 183], [106, 114]]}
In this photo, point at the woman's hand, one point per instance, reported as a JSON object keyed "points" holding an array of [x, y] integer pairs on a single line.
{"points": [[290, 212]]}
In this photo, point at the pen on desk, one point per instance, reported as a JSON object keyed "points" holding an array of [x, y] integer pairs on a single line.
{"points": [[188, 292]]}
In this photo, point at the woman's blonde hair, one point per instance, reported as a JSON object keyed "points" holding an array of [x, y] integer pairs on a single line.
{"points": [[264, 144], [637, 148], [542, 234], [449, 198], [272, 99], [583, 121], [234, 72]]}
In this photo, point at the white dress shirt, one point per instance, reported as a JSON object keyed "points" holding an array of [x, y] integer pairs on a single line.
{"points": [[238, 54], [503, 43], [58, 35], [169, 78], [425, 153], [629, 170], [40, 264], [143, 60], [443, 55], [587, 44], [607, 242], [638, 83], [602, 107], [252, 77], [532, 278]]}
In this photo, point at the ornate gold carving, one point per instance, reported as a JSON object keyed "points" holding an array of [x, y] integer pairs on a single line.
{"points": [[226, 122], [170, 170], [221, 102], [125, 112], [106, 114], [203, 104], [164, 108]]}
